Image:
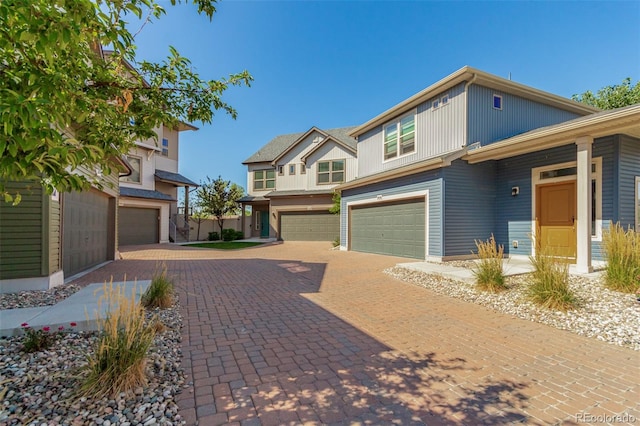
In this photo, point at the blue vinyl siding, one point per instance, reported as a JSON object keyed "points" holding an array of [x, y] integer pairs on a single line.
{"points": [[431, 181], [629, 168], [518, 115], [514, 214], [470, 206]]}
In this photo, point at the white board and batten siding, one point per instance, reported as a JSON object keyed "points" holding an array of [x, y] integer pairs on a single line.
{"points": [[438, 131]]}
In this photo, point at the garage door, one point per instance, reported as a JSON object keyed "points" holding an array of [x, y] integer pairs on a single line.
{"points": [[396, 229], [309, 226], [137, 226], [86, 230]]}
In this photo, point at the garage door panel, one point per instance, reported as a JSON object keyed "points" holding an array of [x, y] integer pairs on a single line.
{"points": [[298, 226], [138, 226], [86, 230], [396, 229]]}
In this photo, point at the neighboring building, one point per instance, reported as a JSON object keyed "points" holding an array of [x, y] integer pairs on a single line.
{"points": [[474, 155], [148, 205], [47, 238], [290, 184]]}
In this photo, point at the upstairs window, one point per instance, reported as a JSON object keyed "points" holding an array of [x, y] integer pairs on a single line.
{"points": [[400, 137], [497, 102], [165, 147], [264, 180], [330, 172], [303, 169], [136, 165], [292, 169], [281, 170]]}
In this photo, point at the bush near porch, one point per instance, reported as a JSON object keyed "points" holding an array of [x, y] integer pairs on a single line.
{"points": [[622, 253]]}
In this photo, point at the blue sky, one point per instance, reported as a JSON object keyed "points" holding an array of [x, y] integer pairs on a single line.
{"points": [[333, 64]]}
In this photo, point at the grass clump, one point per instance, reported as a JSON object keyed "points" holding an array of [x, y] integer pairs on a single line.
{"points": [[550, 281], [118, 361], [488, 270], [622, 253], [160, 291]]}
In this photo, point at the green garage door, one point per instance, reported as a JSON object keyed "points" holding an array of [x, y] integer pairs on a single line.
{"points": [[138, 226], [396, 229], [309, 226], [85, 230]]}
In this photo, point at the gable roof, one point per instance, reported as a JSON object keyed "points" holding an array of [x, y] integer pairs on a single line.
{"points": [[324, 141], [625, 120], [281, 144], [475, 76]]}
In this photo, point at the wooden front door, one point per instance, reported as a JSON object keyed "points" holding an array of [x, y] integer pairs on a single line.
{"points": [[555, 217]]}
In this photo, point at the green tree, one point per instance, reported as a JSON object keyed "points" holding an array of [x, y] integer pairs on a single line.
{"points": [[198, 216], [335, 208], [66, 103], [611, 97], [219, 198]]}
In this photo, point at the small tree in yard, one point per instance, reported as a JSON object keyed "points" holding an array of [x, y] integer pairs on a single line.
{"points": [[219, 198], [199, 216]]}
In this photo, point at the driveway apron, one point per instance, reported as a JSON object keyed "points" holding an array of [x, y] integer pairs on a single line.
{"points": [[296, 333]]}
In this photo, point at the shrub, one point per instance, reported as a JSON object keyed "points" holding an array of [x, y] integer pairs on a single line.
{"points": [[118, 361], [550, 282], [336, 242], [160, 291], [214, 236], [39, 340], [622, 253], [488, 270], [239, 235], [228, 234]]}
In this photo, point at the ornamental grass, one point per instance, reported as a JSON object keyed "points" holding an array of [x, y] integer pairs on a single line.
{"points": [[622, 253], [488, 269], [118, 361], [160, 291], [550, 281]]}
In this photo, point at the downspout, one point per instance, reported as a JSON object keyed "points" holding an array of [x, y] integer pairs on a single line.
{"points": [[466, 109]]}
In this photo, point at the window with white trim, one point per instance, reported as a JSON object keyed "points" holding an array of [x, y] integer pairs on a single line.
{"points": [[136, 173], [497, 102], [444, 100], [292, 169], [281, 170], [330, 172], [264, 180], [165, 147], [400, 137], [303, 169]]}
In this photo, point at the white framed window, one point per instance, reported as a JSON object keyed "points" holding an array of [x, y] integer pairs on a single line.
{"points": [[400, 137], [165, 147], [264, 180], [444, 100], [435, 104], [292, 169], [637, 203], [281, 170], [567, 172], [136, 174], [303, 169], [330, 172], [497, 101]]}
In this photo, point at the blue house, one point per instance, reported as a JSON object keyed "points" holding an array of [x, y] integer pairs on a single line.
{"points": [[474, 155]]}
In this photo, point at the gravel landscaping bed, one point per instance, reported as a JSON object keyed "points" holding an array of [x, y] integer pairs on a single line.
{"points": [[38, 388], [603, 314]]}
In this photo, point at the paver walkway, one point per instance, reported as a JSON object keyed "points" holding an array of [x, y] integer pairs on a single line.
{"points": [[296, 333]]}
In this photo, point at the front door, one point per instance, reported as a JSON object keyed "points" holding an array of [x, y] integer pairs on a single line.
{"points": [[264, 224], [555, 217]]}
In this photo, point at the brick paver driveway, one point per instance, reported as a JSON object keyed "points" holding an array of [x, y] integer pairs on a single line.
{"points": [[296, 333]]}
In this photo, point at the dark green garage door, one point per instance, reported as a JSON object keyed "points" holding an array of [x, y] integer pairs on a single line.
{"points": [[309, 226], [137, 226], [396, 229], [86, 230]]}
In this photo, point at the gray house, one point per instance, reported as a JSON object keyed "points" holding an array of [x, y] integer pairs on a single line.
{"points": [[474, 155]]}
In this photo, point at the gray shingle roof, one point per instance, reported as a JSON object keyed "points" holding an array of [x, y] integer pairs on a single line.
{"points": [[174, 178], [281, 143], [145, 193]]}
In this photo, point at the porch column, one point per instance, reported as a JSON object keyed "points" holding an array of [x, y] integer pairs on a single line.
{"points": [[186, 205], [242, 219], [583, 219]]}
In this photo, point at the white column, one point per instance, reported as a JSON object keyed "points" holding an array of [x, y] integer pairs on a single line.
{"points": [[583, 219]]}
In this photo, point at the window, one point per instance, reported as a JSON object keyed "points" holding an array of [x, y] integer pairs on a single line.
{"points": [[292, 169], [281, 170], [399, 137], [165, 147], [435, 104], [303, 169], [444, 100], [135, 163], [497, 102], [330, 171], [264, 180]]}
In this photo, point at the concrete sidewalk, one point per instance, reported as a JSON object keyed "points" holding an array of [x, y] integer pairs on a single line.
{"points": [[81, 308]]}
